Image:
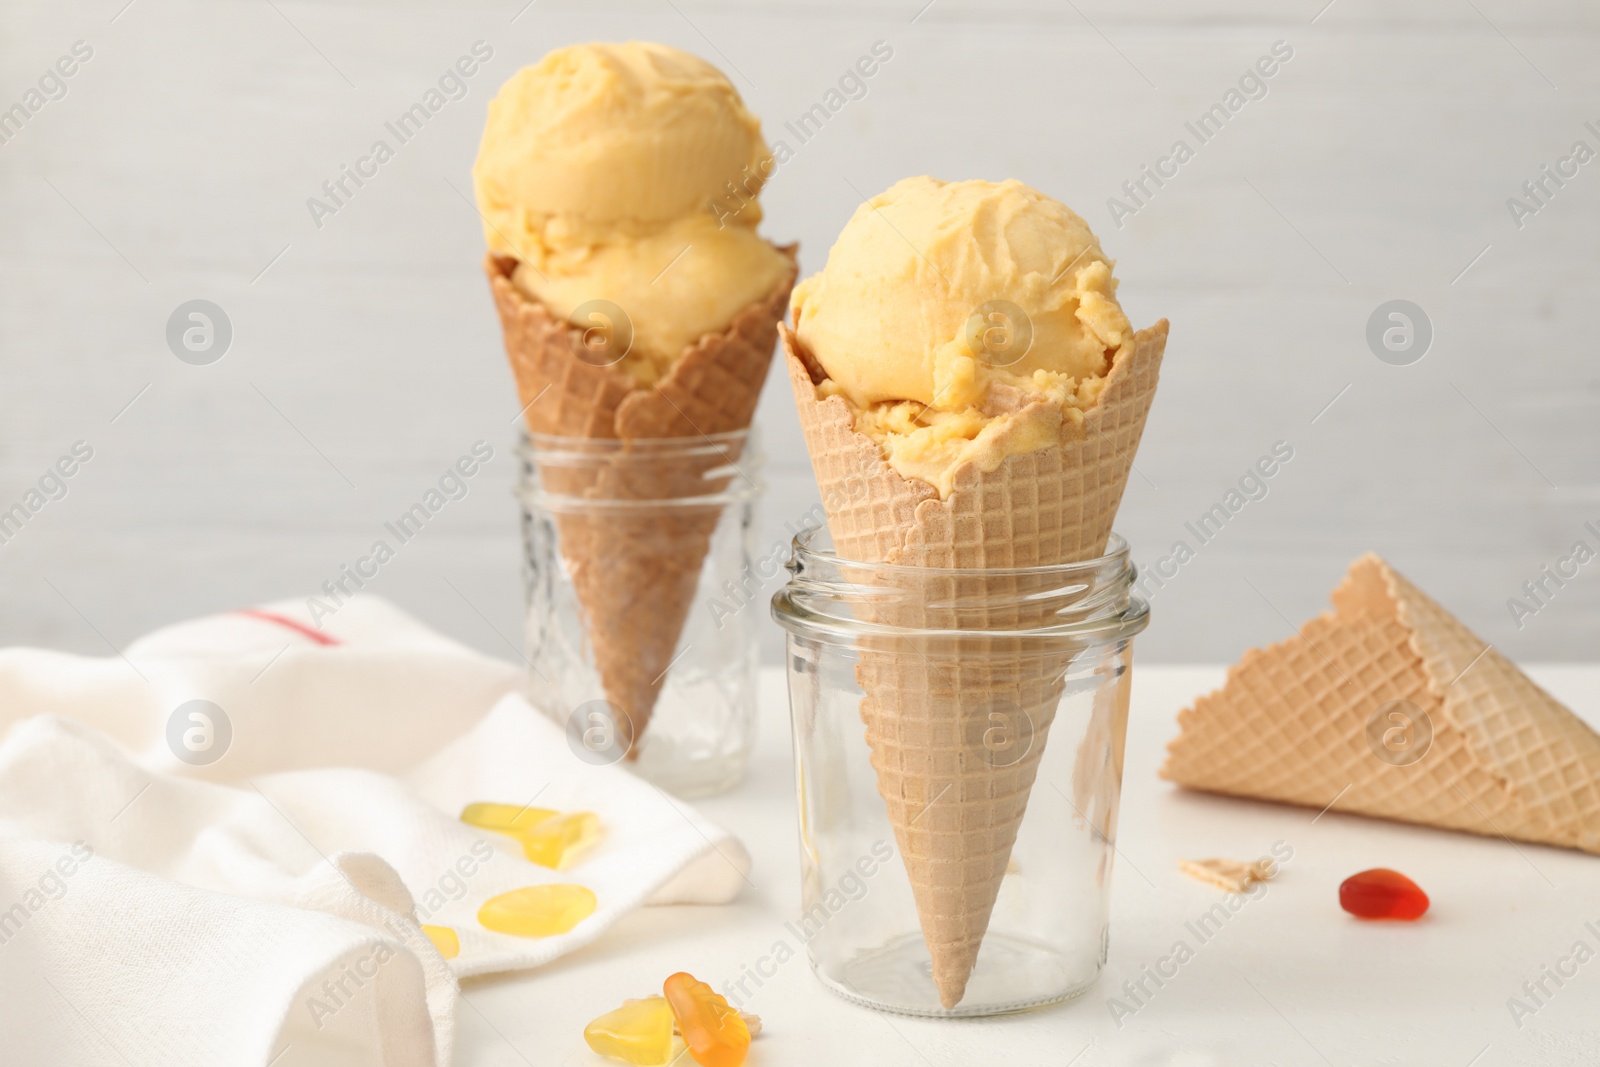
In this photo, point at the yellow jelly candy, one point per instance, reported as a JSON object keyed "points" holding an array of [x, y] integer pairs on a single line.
{"points": [[444, 939], [505, 818], [538, 910], [555, 842], [639, 1032]]}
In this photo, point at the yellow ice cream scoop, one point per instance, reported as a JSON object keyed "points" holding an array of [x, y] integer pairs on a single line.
{"points": [[623, 178], [947, 307], [600, 141]]}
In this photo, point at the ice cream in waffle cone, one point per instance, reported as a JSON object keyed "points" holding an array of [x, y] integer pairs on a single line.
{"points": [[1025, 470], [635, 572], [1388, 706], [639, 307]]}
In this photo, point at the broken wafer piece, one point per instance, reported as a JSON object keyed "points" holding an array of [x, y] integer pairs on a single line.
{"points": [[1231, 875]]}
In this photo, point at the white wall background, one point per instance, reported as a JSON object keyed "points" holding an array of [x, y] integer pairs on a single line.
{"points": [[366, 356]]}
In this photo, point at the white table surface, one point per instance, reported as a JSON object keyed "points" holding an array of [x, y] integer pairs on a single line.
{"points": [[1290, 980]]}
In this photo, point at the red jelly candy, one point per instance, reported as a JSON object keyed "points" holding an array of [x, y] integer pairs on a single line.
{"points": [[1382, 894]]}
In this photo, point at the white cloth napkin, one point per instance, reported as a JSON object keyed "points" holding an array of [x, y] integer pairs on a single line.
{"points": [[263, 908]]}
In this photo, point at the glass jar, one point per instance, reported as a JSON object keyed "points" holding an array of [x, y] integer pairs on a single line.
{"points": [[958, 741], [641, 630]]}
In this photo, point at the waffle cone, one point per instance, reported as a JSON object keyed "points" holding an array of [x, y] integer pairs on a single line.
{"points": [[1305, 721], [930, 703], [635, 573]]}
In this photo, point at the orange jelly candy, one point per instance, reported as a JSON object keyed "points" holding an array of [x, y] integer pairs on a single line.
{"points": [[716, 1034], [1382, 894]]}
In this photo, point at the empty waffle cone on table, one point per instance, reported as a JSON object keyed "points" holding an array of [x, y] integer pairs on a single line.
{"points": [[972, 397], [1388, 706]]}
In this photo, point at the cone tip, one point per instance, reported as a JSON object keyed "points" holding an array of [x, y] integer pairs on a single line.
{"points": [[951, 990]]}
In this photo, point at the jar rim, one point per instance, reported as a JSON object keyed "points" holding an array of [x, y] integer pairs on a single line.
{"points": [[1085, 602], [558, 504], [529, 443], [803, 546], [735, 456]]}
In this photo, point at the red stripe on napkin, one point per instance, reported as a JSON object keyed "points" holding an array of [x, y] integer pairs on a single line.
{"points": [[283, 620]]}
